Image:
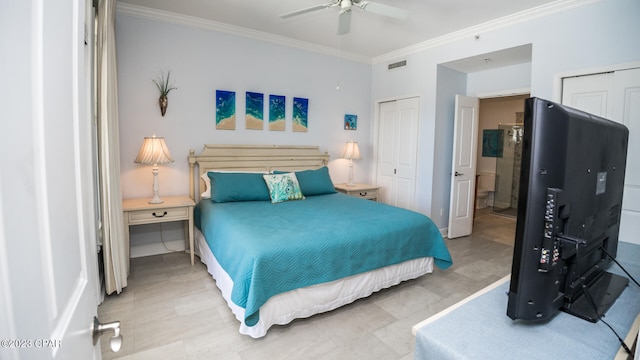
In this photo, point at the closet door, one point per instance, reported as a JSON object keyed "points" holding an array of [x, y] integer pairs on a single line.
{"points": [[615, 96], [397, 151], [590, 93]]}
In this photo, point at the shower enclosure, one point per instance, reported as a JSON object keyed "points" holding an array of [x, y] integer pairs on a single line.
{"points": [[505, 200]]}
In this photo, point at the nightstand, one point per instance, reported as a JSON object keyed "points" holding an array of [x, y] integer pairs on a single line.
{"points": [[365, 191], [174, 208]]}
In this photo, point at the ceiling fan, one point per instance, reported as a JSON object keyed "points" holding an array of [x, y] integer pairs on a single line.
{"points": [[344, 23]]}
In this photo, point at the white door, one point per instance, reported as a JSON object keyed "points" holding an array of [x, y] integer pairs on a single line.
{"points": [[592, 93], [48, 271], [615, 96], [386, 148], [463, 168], [398, 151]]}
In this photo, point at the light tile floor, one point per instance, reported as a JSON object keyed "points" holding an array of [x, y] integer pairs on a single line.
{"points": [[171, 310]]}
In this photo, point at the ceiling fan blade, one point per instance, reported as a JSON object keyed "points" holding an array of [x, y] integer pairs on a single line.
{"points": [[384, 10], [307, 10], [344, 22]]}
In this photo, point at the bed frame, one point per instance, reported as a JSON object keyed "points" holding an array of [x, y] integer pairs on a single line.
{"points": [[252, 158], [303, 302]]}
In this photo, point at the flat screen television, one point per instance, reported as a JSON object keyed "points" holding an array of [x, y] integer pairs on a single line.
{"points": [[569, 208]]}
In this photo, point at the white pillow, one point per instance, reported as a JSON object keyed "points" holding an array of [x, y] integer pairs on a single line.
{"points": [[206, 194]]}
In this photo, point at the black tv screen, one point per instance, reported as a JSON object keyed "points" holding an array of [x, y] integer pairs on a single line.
{"points": [[569, 208]]}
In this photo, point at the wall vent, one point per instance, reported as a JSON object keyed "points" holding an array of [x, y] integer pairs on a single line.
{"points": [[396, 65]]}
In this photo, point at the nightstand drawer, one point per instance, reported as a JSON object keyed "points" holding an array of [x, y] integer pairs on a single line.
{"points": [[158, 215], [363, 191], [369, 194]]}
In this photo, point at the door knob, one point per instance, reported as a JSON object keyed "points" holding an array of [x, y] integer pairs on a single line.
{"points": [[458, 174], [99, 329]]}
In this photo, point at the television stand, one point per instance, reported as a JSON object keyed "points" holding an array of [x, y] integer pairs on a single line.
{"points": [[604, 291], [632, 341]]}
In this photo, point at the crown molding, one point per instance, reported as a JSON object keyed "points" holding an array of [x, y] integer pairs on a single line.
{"points": [[173, 18], [519, 17]]}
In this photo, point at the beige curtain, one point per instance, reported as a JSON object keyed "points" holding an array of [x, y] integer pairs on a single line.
{"points": [[114, 248]]}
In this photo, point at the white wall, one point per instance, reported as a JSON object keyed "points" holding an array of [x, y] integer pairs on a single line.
{"points": [[595, 34], [514, 77], [203, 61], [449, 83]]}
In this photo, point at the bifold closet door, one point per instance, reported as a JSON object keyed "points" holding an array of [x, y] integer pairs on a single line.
{"points": [[616, 96], [398, 151]]}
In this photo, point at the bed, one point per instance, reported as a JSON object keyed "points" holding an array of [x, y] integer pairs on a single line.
{"points": [[282, 244]]}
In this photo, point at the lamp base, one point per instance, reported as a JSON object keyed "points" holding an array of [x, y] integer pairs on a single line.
{"points": [[350, 182], [156, 197]]}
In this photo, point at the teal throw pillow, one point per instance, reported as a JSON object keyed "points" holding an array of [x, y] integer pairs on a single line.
{"points": [[229, 187], [314, 182]]}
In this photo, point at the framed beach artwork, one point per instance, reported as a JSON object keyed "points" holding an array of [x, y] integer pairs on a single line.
{"points": [[300, 114], [350, 122], [276, 112], [254, 113], [225, 110]]}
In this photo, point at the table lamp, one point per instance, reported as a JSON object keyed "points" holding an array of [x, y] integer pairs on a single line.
{"points": [[154, 151], [351, 152]]}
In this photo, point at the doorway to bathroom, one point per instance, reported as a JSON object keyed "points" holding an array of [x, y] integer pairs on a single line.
{"points": [[507, 179], [499, 154]]}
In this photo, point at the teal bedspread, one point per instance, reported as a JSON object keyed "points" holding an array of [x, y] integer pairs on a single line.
{"points": [[268, 249]]}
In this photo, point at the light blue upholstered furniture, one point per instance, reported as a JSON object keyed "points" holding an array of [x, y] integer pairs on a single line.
{"points": [[480, 328]]}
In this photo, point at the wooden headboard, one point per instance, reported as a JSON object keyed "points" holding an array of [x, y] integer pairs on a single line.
{"points": [[252, 158]]}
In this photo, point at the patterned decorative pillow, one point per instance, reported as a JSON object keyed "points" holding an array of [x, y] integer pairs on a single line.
{"points": [[283, 187]]}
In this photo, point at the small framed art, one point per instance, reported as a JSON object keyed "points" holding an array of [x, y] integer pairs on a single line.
{"points": [[300, 114], [254, 113], [276, 112], [225, 110], [350, 122]]}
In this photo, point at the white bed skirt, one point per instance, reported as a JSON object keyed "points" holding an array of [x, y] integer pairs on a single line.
{"points": [[301, 303]]}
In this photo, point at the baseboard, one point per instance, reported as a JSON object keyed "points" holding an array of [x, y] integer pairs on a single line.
{"points": [[157, 248], [500, 204]]}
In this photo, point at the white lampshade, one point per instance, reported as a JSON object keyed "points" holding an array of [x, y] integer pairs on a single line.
{"points": [[351, 151], [153, 151]]}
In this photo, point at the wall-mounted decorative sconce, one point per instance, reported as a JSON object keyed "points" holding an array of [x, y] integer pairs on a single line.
{"points": [[163, 86]]}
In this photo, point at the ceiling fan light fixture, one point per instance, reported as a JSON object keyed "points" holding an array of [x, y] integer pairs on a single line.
{"points": [[344, 22], [345, 11], [345, 5]]}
